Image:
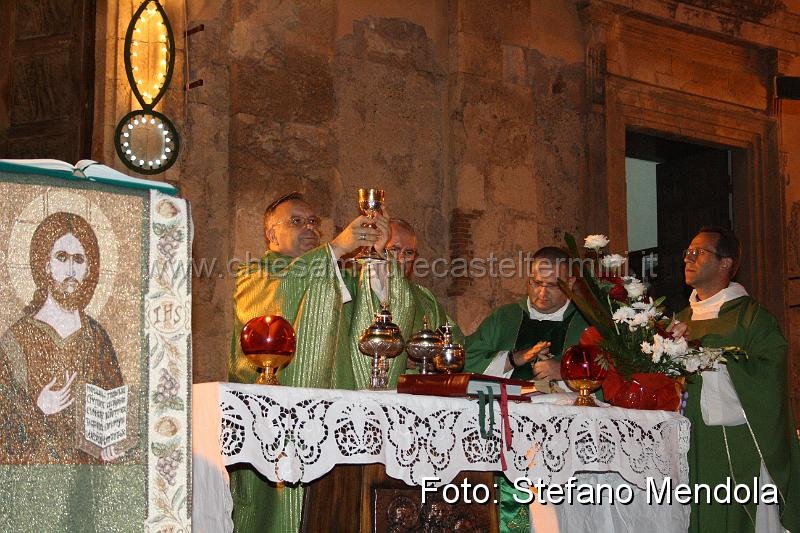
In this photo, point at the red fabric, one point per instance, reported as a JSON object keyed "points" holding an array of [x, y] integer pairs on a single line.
{"points": [[506, 425], [642, 391]]}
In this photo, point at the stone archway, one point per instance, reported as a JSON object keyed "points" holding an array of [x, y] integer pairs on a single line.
{"points": [[683, 91]]}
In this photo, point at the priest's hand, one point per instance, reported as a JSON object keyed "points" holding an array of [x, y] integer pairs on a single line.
{"points": [[548, 370], [678, 329], [52, 401], [355, 235], [540, 350]]}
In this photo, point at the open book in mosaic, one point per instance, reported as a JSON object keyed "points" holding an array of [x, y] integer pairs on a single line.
{"points": [[95, 355]]}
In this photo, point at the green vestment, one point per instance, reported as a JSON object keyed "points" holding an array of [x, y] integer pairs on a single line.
{"points": [[502, 331], [761, 384], [409, 304], [306, 292], [499, 331]]}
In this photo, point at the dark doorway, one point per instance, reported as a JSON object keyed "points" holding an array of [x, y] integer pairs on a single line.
{"points": [[46, 78], [690, 187]]}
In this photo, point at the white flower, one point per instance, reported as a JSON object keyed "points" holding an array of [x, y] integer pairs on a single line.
{"points": [[612, 261], [623, 314], [635, 316], [647, 347], [676, 347], [595, 242], [657, 348], [635, 288], [700, 359], [638, 314]]}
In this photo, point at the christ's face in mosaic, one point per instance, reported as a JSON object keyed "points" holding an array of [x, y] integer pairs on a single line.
{"points": [[67, 267]]}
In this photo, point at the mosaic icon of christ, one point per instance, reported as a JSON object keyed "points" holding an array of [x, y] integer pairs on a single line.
{"points": [[55, 349]]}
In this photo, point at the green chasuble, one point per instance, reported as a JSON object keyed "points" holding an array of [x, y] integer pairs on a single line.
{"points": [[761, 384], [499, 331], [409, 304], [510, 328], [306, 292]]}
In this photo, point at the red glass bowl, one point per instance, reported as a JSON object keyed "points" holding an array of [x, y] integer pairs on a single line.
{"points": [[268, 335], [580, 362], [582, 373]]}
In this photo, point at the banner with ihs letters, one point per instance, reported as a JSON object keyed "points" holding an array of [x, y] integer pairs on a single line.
{"points": [[95, 356]]}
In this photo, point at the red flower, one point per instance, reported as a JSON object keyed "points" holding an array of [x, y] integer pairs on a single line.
{"points": [[618, 291]]}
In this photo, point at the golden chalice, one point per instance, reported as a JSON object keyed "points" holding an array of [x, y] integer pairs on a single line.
{"points": [[370, 202]]}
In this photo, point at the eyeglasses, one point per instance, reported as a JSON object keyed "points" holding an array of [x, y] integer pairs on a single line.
{"points": [[691, 254], [301, 222], [402, 253], [542, 285]]}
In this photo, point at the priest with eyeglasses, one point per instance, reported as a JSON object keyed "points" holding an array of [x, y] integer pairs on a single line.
{"points": [[524, 340], [742, 428], [299, 278]]}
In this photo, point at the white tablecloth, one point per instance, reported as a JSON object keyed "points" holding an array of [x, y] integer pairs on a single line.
{"points": [[296, 434]]}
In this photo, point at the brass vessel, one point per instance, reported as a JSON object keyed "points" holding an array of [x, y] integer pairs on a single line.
{"points": [[423, 346], [451, 359], [370, 202], [381, 340]]}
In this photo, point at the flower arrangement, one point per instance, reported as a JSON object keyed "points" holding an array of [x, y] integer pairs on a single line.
{"points": [[629, 327]]}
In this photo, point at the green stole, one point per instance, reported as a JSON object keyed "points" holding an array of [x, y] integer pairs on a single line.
{"points": [[515, 517], [761, 384], [409, 304]]}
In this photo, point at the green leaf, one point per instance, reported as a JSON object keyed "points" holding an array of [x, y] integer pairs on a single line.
{"points": [[734, 352], [176, 497], [162, 450], [156, 356], [597, 315], [174, 403], [158, 518], [572, 246]]}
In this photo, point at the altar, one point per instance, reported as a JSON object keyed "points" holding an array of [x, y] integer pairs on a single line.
{"points": [[299, 435]]}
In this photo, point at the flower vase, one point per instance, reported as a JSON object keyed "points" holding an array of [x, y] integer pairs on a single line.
{"points": [[648, 391]]}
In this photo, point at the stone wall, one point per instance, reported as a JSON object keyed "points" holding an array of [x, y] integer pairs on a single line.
{"points": [[517, 149], [476, 117]]}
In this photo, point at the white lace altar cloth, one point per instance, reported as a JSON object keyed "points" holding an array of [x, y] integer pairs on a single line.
{"points": [[297, 434]]}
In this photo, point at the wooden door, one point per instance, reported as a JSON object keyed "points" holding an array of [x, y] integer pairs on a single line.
{"points": [[692, 191], [46, 78]]}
